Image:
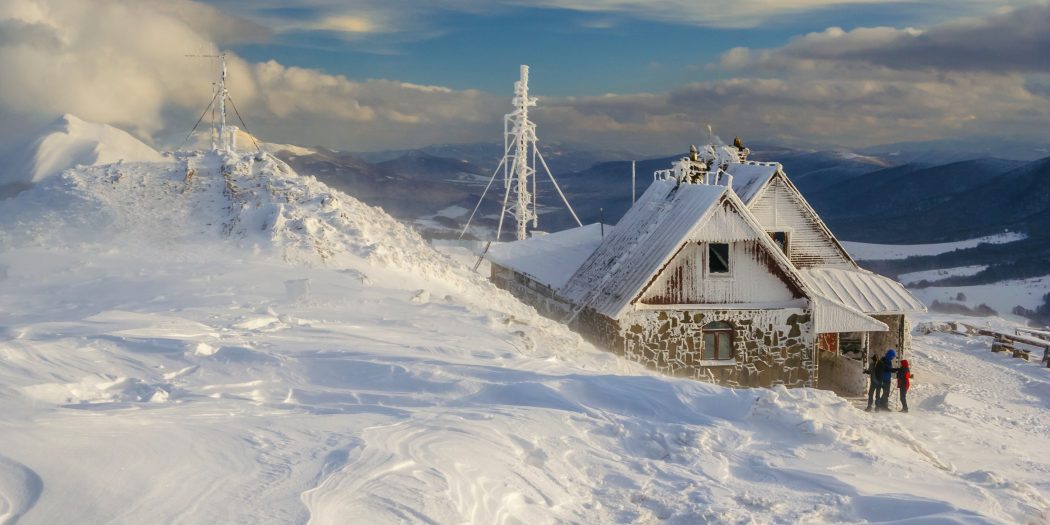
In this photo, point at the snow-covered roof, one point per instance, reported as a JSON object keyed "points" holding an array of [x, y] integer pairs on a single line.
{"points": [[863, 290], [550, 259], [750, 177], [833, 316], [643, 241]]}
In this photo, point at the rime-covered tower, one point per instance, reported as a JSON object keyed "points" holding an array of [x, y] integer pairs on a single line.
{"points": [[519, 165]]}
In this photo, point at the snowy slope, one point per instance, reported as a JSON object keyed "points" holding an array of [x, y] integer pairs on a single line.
{"points": [[253, 347], [69, 142], [862, 251]]}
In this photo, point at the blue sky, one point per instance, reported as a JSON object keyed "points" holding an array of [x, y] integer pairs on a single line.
{"points": [[571, 52], [645, 75]]}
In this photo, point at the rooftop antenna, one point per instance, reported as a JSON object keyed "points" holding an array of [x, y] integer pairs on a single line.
{"points": [[520, 152], [227, 134]]}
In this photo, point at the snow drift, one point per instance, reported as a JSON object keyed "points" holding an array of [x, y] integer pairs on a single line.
{"points": [[217, 339], [70, 142]]}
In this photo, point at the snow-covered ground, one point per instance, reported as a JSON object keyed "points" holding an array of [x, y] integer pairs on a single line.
{"points": [[943, 273], [257, 348], [69, 142], [870, 252], [1001, 297]]}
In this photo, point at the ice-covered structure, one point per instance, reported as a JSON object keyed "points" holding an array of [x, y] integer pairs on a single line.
{"points": [[720, 272]]}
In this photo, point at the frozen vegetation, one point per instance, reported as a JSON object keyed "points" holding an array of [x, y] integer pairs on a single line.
{"points": [[245, 345]]}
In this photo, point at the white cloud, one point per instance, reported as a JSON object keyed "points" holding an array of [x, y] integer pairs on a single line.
{"points": [[114, 62], [123, 63], [1010, 41]]}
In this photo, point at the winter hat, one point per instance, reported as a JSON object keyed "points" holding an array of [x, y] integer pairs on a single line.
{"points": [[890, 354], [904, 363]]}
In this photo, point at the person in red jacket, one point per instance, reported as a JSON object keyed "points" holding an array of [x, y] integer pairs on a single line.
{"points": [[903, 383]]}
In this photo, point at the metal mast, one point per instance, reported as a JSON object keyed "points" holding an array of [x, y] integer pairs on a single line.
{"points": [[520, 153], [224, 138], [227, 134], [516, 142]]}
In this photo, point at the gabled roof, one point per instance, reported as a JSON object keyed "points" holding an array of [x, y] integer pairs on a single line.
{"points": [[644, 239], [862, 290], [649, 236], [750, 177], [550, 259], [806, 209]]}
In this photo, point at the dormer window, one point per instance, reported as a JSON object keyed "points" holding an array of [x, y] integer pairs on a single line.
{"points": [[718, 258], [780, 238]]}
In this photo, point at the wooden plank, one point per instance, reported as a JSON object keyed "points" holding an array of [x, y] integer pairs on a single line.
{"points": [[1034, 341], [1042, 334], [1003, 336]]}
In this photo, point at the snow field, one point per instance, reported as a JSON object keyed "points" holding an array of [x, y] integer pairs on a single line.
{"points": [[1001, 297], [156, 365], [935, 275], [862, 251]]}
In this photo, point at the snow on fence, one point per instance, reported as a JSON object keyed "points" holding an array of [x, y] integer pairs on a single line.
{"points": [[1001, 341]]}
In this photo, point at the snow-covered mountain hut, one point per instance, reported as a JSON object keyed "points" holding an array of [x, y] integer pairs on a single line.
{"points": [[720, 272]]}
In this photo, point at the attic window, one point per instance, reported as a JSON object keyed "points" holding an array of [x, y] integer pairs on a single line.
{"points": [[780, 238], [718, 341], [717, 257]]}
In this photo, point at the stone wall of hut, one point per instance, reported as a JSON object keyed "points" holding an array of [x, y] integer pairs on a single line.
{"points": [[533, 293], [770, 347], [897, 337]]}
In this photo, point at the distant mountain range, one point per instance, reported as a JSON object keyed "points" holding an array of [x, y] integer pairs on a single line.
{"points": [[863, 196], [889, 194]]}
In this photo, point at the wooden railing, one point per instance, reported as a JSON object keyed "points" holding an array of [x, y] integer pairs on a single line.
{"points": [[1005, 342]]}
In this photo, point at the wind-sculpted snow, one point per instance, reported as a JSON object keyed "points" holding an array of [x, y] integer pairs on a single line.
{"points": [[69, 142], [255, 204], [252, 347]]}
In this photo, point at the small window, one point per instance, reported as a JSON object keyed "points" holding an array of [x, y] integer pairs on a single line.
{"points": [[717, 257], [781, 240], [851, 344], [718, 341]]}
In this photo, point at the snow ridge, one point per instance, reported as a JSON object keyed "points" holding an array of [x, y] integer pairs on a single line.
{"points": [[254, 203], [70, 142]]}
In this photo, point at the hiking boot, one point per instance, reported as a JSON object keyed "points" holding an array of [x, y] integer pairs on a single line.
{"points": [[868, 409], [904, 410]]}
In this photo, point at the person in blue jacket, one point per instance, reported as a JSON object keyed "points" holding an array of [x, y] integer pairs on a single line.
{"points": [[875, 386], [884, 370]]}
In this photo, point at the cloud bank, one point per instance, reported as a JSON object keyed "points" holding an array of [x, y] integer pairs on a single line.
{"points": [[123, 63]]}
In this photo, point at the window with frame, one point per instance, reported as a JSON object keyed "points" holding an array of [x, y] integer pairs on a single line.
{"points": [[780, 238], [717, 258], [718, 341]]}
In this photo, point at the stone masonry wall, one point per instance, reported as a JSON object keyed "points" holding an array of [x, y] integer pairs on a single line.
{"points": [[897, 337], [535, 294], [770, 347]]}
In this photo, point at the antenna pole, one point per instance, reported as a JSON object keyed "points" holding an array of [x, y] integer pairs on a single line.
{"points": [[524, 133], [519, 164], [633, 178], [226, 140], [224, 94]]}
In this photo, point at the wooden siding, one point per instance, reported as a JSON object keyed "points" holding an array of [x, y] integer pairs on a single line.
{"points": [[781, 208], [754, 275], [828, 342], [752, 278]]}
